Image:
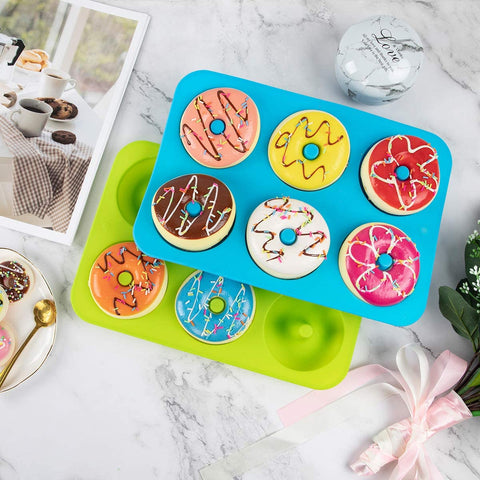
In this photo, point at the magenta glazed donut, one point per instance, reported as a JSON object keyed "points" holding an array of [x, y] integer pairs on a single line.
{"points": [[379, 263]]}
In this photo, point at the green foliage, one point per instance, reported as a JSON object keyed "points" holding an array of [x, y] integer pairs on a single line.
{"points": [[461, 314], [462, 308], [463, 288], [472, 262], [475, 381]]}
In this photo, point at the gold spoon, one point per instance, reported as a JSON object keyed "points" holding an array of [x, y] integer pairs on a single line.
{"points": [[45, 314]]}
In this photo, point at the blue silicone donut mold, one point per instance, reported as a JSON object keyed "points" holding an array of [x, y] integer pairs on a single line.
{"points": [[343, 204]]}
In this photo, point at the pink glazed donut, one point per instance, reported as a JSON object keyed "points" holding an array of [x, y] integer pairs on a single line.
{"points": [[379, 264], [7, 344], [220, 127]]}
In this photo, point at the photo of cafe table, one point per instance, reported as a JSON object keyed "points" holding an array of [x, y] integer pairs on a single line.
{"points": [[61, 84]]}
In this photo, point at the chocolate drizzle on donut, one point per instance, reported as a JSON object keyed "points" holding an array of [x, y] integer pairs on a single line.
{"points": [[284, 139], [129, 293], [228, 108], [171, 199], [285, 209], [14, 280]]}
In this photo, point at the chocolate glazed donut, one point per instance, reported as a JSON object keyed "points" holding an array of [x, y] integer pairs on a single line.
{"points": [[14, 280], [193, 212]]}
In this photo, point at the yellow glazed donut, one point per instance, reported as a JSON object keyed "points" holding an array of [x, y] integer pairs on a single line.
{"points": [[309, 150]]}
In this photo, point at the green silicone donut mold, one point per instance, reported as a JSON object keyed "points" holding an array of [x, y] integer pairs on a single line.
{"points": [[289, 339], [131, 188], [303, 336]]}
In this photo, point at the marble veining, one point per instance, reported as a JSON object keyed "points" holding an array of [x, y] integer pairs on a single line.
{"points": [[118, 407], [207, 423]]}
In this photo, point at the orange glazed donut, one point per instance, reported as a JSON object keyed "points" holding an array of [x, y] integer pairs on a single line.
{"points": [[220, 127], [126, 283]]}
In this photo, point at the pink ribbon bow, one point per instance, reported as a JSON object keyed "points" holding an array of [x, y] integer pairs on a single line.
{"points": [[425, 389], [422, 387]]}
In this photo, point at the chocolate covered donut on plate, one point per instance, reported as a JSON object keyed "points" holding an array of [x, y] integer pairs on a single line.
{"points": [[16, 279]]}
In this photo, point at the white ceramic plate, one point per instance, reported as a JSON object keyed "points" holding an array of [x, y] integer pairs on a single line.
{"points": [[62, 120], [20, 318]]}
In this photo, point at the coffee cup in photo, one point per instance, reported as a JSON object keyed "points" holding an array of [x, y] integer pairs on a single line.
{"points": [[31, 116], [54, 82]]}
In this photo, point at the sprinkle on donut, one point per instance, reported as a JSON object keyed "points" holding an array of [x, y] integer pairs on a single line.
{"points": [[287, 238], [126, 283], [220, 127], [193, 212], [309, 150], [380, 264], [401, 174], [14, 279], [214, 309]]}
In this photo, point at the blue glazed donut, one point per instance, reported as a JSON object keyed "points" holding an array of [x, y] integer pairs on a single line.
{"points": [[214, 309]]}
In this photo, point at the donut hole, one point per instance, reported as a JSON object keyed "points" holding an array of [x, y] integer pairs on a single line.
{"points": [[311, 151], [131, 188], [217, 127], [217, 305], [385, 262], [288, 236], [305, 330], [194, 209], [402, 172], [301, 335], [125, 278]]}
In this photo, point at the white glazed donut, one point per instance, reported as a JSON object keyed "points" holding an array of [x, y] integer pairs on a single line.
{"points": [[287, 238]]}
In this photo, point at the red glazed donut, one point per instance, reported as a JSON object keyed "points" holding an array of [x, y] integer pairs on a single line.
{"points": [[401, 175]]}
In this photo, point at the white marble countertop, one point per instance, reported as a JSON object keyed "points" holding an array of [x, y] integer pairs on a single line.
{"points": [[106, 405]]}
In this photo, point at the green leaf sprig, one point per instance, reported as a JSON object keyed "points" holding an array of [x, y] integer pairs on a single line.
{"points": [[462, 308]]}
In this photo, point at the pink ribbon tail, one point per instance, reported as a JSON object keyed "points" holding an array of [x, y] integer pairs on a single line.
{"points": [[371, 461]]}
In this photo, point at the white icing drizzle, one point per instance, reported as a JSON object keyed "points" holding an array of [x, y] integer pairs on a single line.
{"points": [[188, 221], [200, 306], [414, 182], [394, 241]]}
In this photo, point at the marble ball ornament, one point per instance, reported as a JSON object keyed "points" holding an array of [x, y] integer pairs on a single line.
{"points": [[378, 60]]}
